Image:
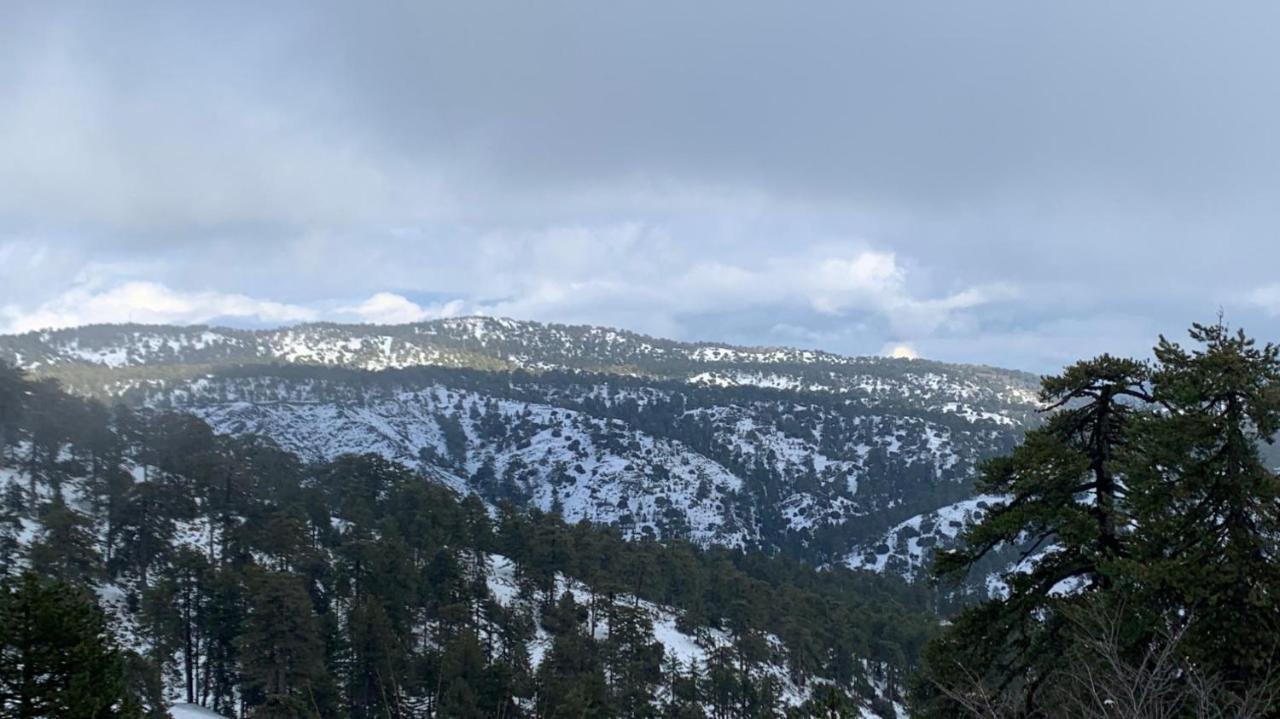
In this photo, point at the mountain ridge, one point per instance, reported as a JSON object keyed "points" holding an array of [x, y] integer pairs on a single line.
{"points": [[777, 449], [477, 326]]}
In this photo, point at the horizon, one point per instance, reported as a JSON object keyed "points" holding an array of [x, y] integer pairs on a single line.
{"points": [[214, 325], [892, 352]]}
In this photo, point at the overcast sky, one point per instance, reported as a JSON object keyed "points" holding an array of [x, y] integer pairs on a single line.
{"points": [[1015, 183]]}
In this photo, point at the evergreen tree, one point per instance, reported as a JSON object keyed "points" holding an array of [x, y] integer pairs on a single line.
{"points": [[1063, 494], [224, 606], [455, 438], [633, 661], [282, 655], [13, 400], [174, 608], [56, 656], [683, 690], [571, 678], [358, 588], [67, 548], [48, 411], [146, 527], [1145, 496], [462, 678], [377, 665], [1208, 507]]}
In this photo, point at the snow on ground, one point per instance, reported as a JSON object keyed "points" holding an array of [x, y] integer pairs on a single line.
{"points": [[689, 650], [908, 547], [998, 587], [769, 380], [192, 711], [972, 414], [593, 468]]}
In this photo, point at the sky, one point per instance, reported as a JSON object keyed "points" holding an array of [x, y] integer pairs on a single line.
{"points": [[1012, 183]]}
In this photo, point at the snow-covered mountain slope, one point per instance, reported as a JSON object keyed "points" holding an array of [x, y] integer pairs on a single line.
{"points": [[586, 466], [808, 452], [496, 344], [907, 548], [744, 467]]}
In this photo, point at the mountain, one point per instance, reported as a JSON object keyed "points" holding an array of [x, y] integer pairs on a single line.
{"points": [[498, 343], [905, 549], [240, 580], [808, 453]]}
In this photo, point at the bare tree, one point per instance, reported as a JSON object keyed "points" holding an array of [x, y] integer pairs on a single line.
{"points": [[1099, 680], [980, 700]]}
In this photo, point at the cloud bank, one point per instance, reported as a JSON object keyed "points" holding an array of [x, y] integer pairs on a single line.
{"points": [[993, 182]]}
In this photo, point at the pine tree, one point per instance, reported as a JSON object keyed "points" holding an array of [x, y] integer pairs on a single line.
{"points": [[282, 655], [455, 438], [47, 408], [683, 691], [1209, 508], [175, 611], [377, 664], [67, 548], [1156, 507], [462, 673], [571, 678], [146, 527], [110, 491], [1063, 493], [225, 613], [56, 657], [634, 662], [13, 399], [359, 588]]}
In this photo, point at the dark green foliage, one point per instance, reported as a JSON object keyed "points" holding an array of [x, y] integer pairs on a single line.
{"points": [[282, 655], [67, 548], [1208, 506], [571, 678], [57, 658], [632, 660], [1015, 641], [1143, 495]]}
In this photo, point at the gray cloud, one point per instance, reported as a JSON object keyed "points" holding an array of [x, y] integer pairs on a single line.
{"points": [[1036, 182]]}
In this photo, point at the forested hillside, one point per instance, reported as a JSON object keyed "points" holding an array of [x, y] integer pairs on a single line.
{"points": [[497, 343], [809, 454], [309, 540], [243, 577]]}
